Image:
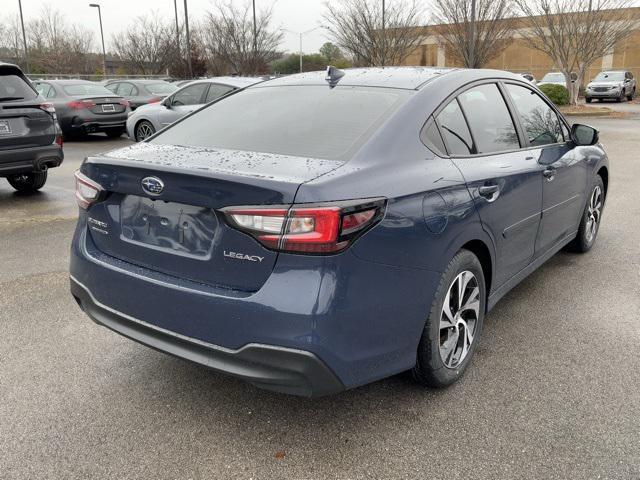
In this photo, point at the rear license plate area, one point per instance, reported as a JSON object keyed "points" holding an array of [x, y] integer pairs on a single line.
{"points": [[5, 128], [171, 227], [108, 108]]}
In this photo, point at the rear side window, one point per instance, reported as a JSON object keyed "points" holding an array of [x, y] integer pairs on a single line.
{"points": [[127, 89], [489, 119], [305, 121], [217, 91], [160, 88], [455, 130], [113, 87], [539, 120], [13, 87]]}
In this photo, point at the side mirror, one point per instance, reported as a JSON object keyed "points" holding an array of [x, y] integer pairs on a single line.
{"points": [[166, 102], [584, 135]]}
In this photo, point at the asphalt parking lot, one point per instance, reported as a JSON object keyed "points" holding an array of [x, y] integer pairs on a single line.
{"points": [[553, 392]]}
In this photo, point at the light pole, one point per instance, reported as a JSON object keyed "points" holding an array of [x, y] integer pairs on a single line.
{"points": [[186, 25], [104, 53], [384, 33], [472, 46], [175, 7], [24, 37], [301, 34]]}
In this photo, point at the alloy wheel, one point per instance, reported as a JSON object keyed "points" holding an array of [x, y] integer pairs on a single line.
{"points": [[594, 212], [459, 318], [145, 130]]}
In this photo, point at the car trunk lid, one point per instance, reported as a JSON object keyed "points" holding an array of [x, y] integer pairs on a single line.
{"points": [[179, 231]]}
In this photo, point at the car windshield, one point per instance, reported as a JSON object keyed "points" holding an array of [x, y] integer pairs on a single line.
{"points": [[160, 88], [81, 89], [609, 77], [305, 121], [12, 88], [553, 77]]}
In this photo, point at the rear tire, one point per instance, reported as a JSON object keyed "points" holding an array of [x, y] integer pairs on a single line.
{"points": [[588, 100], [28, 182], [115, 132], [144, 130], [453, 328], [591, 218]]}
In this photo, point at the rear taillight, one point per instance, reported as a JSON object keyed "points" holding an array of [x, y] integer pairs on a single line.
{"points": [[48, 107], [58, 141], [81, 104], [124, 103], [88, 192], [311, 229]]}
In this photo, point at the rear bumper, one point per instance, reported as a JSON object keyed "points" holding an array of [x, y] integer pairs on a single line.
{"points": [[93, 125], [270, 367], [30, 159]]}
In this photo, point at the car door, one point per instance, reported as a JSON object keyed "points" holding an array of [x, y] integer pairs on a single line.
{"points": [[182, 102], [563, 168], [503, 179]]}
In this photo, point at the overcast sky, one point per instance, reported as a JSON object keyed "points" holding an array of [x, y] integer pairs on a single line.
{"points": [[295, 15]]}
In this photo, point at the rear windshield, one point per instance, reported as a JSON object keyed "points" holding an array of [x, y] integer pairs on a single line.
{"points": [[14, 88], [553, 77], [610, 76], [160, 88], [86, 89], [309, 121]]}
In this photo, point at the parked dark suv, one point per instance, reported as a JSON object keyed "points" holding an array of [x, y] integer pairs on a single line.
{"points": [[30, 139]]}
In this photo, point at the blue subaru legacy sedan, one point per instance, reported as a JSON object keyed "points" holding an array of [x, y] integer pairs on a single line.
{"points": [[317, 232]]}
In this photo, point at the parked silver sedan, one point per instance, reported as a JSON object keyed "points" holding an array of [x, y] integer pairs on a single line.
{"points": [[613, 84], [148, 119]]}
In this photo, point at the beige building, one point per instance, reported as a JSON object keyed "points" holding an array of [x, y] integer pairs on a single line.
{"points": [[519, 57]]}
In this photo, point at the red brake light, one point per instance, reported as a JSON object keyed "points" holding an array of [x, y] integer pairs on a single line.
{"points": [[58, 141], [81, 104], [48, 107], [88, 192], [124, 103], [321, 229]]}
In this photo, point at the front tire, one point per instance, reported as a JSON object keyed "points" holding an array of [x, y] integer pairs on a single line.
{"points": [[453, 328], [144, 130], [588, 99], [591, 218], [28, 182]]}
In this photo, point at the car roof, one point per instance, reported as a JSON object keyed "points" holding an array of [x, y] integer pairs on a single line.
{"points": [[145, 81], [238, 82], [67, 81], [410, 78]]}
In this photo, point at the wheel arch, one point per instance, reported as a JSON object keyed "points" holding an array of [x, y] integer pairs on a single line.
{"points": [[482, 252]]}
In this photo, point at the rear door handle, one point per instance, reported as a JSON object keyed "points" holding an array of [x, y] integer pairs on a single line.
{"points": [[488, 190], [549, 173]]}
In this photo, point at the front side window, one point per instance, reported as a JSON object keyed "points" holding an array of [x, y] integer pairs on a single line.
{"points": [[455, 130], [191, 95], [539, 120], [303, 121], [489, 119]]}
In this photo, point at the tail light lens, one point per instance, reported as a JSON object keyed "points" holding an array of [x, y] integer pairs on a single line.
{"points": [[124, 103], [48, 107], [88, 192], [58, 141], [81, 104], [312, 229]]}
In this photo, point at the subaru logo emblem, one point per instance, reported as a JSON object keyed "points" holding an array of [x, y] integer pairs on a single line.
{"points": [[152, 185]]}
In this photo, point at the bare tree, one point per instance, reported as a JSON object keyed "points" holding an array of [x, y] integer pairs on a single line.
{"points": [[474, 45], [11, 40], [575, 33], [55, 46], [229, 38], [147, 45], [371, 38]]}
